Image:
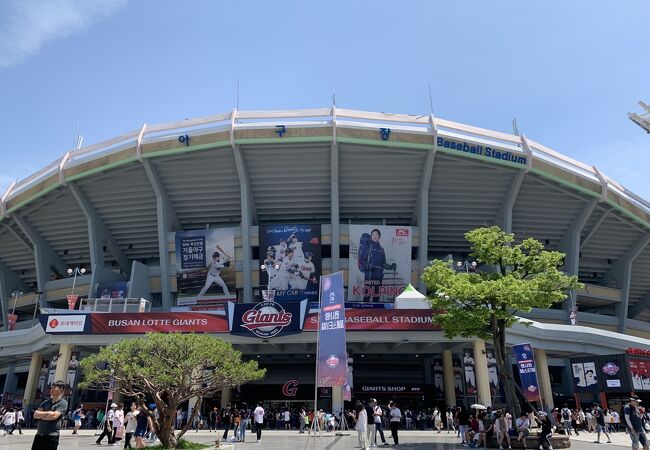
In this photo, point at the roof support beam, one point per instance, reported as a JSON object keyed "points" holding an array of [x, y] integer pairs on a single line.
{"points": [[335, 206], [594, 228], [9, 282], [98, 236], [621, 273], [21, 239], [167, 222], [45, 258], [570, 245], [504, 215], [246, 221], [639, 307]]}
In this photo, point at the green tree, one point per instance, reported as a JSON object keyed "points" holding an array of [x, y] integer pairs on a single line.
{"points": [[514, 275], [169, 368]]}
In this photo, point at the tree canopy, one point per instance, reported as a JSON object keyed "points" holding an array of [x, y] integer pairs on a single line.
{"points": [[512, 275], [170, 369]]}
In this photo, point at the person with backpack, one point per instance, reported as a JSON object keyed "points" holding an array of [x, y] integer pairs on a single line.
{"points": [[565, 413], [372, 263]]}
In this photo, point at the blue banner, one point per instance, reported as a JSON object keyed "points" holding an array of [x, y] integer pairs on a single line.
{"points": [[332, 354], [266, 319], [291, 261], [527, 371]]}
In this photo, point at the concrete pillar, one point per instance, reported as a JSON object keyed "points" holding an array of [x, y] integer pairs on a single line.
{"points": [[225, 396], [481, 372], [65, 351], [448, 376], [544, 379], [32, 379], [10, 380]]}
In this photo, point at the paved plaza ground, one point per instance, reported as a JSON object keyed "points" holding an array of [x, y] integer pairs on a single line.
{"points": [[277, 440]]}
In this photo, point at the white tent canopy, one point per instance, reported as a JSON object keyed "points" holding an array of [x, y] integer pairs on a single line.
{"points": [[411, 299]]}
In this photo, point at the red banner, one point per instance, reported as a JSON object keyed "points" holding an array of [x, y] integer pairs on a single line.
{"points": [[383, 320], [138, 323], [11, 321], [72, 300]]}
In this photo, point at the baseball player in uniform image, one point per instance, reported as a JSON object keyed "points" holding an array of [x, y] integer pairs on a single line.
{"points": [[470, 378], [438, 376], [492, 369], [281, 250], [292, 267], [296, 247], [213, 274], [306, 272], [72, 370], [372, 263], [271, 271]]}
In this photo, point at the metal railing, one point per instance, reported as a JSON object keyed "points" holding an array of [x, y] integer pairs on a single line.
{"points": [[321, 117]]}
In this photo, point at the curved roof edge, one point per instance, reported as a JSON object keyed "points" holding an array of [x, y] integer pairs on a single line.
{"points": [[326, 125]]}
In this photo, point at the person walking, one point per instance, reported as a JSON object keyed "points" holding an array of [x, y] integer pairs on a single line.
{"points": [[259, 420], [244, 421], [50, 417], [77, 415], [463, 423], [362, 426], [379, 425], [226, 416], [142, 422], [20, 421], [107, 429], [303, 422], [600, 423], [634, 421], [545, 433], [450, 420], [370, 429], [118, 423], [131, 423], [395, 419]]}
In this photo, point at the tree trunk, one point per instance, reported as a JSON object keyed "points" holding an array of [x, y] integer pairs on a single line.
{"points": [[505, 370], [165, 427]]}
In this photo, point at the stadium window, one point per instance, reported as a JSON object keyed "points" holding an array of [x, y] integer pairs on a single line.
{"points": [[255, 253], [344, 251], [326, 251]]}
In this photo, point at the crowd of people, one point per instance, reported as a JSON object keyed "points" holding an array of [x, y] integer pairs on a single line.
{"points": [[476, 427]]}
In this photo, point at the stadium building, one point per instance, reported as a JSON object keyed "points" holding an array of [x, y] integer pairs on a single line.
{"points": [[179, 218]]}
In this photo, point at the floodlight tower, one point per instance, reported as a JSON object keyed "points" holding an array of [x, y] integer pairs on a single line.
{"points": [[643, 119]]}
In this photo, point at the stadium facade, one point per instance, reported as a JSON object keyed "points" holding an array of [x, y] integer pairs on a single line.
{"points": [[147, 212]]}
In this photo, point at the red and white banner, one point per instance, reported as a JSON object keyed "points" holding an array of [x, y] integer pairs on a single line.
{"points": [[11, 321], [383, 320], [138, 323], [66, 323], [72, 301]]}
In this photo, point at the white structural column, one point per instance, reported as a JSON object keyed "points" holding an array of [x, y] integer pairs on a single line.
{"points": [[541, 363], [44, 256], [621, 273], [167, 222], [571, 246], [32, 379], [65, 351], [481, 373], [504, 215], [335, 207], [246, 222], [448, 377], [98, 236], [423, 215]]}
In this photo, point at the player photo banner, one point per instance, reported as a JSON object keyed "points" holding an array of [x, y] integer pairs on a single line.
{"points": [[332, 354], [469, 366], [527, 371], [640, 373], [380, 262], [585, 377], [438, 377], [290, 258], [205, 266]]}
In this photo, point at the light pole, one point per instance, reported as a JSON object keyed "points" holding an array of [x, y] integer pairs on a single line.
{"points": [[467, 265], [72, 299], [13, 318]]}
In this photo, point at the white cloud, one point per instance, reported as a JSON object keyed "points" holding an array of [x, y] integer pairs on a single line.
{"points": [[26, 25]]}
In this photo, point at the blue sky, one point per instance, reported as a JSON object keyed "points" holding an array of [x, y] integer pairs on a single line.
{"points": [[568, 71]]}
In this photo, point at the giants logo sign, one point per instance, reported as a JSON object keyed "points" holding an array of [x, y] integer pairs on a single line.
{"points": [[290, 388], [266, 319]]}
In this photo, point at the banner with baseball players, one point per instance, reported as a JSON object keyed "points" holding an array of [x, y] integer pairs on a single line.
{"points": [[438, 377], [205, 266], [380, 262], [291, 261]]}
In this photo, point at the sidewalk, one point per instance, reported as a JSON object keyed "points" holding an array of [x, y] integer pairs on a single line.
{"points": [[291, 440]]}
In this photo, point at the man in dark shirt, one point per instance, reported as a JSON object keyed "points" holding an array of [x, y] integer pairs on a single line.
{"points": [[635, 424], [600, 423], [50, 416]]}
